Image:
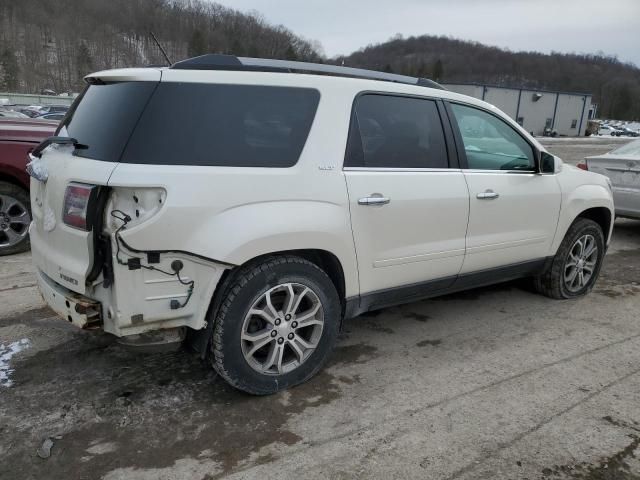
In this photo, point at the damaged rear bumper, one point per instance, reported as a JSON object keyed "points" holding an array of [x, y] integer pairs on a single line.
{"points": [[81, 311], [136, 301]]}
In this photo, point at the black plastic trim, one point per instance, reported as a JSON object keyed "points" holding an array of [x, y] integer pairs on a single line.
{"points": [[231, 62], [358, 305], [452, 150], [95, 219], [37, 152]]}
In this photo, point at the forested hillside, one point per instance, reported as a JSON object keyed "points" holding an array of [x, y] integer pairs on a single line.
{"points": [[47, 44], [52, 44], [615, 85]]}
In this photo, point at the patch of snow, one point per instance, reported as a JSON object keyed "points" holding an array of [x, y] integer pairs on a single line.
{"points": [[6, 352], [102, 448]]}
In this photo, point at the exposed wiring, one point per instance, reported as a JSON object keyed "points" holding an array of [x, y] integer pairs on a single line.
{"points": [[125, 219]]}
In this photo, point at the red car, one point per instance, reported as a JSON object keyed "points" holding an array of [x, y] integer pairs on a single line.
{"points": [[17, 138]]}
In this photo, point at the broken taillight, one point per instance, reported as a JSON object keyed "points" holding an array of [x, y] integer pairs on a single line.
{"points": [[77, 199]]}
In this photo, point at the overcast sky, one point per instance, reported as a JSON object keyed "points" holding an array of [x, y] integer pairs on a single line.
{"points": [[581, 26]]}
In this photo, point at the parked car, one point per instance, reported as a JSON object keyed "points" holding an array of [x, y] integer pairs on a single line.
{"points": [[17, 138], [608, 130], [6, 113], [39, 110], [54, 109], [622, 166], [256, 210], [52, 116], [628, 132], [29, 112]]}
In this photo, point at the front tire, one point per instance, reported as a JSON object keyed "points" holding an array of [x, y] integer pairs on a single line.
{"points": [[576, 265], [276, 325]]}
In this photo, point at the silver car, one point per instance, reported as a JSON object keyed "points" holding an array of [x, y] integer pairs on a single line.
{"points": [[622, 166]]}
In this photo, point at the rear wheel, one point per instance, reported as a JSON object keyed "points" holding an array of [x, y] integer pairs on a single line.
{"points": [[15, 217], [276, 326], [576, 266]]}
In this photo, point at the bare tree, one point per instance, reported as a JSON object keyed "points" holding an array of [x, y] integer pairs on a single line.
{"points": [[46, 44]]}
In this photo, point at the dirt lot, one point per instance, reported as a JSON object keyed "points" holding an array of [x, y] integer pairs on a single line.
{"points": [[489, 384], [573, 150]]}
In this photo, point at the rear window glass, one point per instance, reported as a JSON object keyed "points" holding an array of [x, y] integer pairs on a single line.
{"points": [[223, 125], [105, 116]]}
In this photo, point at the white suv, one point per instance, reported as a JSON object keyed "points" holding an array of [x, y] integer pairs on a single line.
{"points": [[252, 208]]}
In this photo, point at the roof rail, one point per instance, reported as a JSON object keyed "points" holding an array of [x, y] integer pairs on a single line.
{"points": [[231, 62]]}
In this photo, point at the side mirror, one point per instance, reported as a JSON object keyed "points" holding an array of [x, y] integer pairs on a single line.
{"points": [[547, 163]]}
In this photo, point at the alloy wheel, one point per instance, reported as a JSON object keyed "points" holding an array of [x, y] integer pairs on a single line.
{"points": [[581, 263], [14, 221], [282, 329]]}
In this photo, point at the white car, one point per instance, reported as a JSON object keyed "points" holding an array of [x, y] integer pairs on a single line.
{"points": [[608, 130], [255, 208], [622, 166]]}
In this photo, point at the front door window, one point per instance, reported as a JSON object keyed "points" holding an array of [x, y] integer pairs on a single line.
{"points": [[490, 143]]}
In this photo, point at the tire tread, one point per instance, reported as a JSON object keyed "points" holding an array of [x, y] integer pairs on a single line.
{"points": [[240, 280], [549, 283]]}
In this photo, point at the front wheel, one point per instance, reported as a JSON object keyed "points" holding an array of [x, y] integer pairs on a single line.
{"points": [[576, 265], [276, 326]]}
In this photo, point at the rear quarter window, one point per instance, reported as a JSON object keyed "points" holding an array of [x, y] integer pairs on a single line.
{"points": [[104, 116], [223, 125]]}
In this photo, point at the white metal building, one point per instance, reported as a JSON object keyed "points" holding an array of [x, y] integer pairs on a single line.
{"points": [[564, 112]]}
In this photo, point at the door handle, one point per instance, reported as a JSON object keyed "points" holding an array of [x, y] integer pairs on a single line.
{"points": [[374, 199], [487, 195]]}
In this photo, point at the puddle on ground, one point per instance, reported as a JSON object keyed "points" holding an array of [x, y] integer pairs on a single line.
{"points": [[166, 405]]}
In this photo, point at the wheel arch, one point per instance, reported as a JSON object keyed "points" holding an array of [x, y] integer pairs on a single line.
{"points": [[326, 260], [14, 180], [602, 216], [583, 200]]}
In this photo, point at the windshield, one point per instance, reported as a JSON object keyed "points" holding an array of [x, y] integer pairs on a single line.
{"points": [[104, 116]]}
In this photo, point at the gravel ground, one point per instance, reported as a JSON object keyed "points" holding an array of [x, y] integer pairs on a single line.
{"points": [[573, 150], [492, 383]]}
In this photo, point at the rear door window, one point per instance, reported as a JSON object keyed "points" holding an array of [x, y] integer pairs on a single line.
{"points": [[223, 125], [396, 132]]}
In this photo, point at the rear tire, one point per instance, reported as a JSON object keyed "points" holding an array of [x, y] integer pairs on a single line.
{"points": [[276, 325], [576, 265], [15, 217]]}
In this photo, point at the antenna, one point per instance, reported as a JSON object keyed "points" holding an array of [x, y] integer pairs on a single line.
{"points": [[166, 57]]}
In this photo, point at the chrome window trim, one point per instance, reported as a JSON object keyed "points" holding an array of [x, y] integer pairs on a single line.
{"points": [[394, 169], [513, 172], [442, 170], [518, 172]]}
